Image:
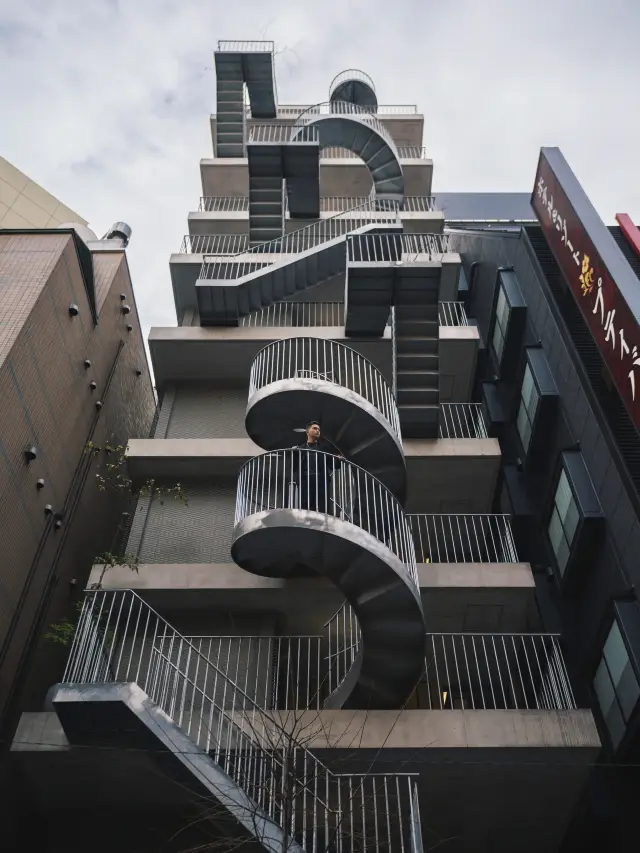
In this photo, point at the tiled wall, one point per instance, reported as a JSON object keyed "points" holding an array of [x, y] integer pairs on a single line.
{"points": [[25, 204]]}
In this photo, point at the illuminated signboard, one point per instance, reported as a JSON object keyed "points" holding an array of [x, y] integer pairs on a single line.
{"points": [[602, 282]]}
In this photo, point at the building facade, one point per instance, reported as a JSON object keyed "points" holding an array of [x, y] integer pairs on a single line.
{"points": [[72, 370], [25, 204], [370, 645]]}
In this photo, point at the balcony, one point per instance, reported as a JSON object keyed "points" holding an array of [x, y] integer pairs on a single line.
{"points": [[463, 539], [296, 379], [298, 512], [334, 204]]}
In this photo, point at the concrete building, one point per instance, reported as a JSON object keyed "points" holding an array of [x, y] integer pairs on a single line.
{"points": [[325, 650], [25, 204], [72, 370]]}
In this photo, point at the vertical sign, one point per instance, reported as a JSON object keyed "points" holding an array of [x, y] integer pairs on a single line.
{"points": [[571, 227]]}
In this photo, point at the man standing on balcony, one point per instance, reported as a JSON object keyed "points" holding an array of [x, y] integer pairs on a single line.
{"points": [[313, 470]]}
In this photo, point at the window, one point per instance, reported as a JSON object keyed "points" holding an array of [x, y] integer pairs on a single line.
{"points": [[616, 685], [500, 324], [529, 400], [563, 522]]}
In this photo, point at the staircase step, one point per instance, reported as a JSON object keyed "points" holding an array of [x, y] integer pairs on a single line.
{"points": [[423, 294], [416, 362], [418, 396], [418, 346], [425, 311], [417, 328], [406, 379], [419, 421]]}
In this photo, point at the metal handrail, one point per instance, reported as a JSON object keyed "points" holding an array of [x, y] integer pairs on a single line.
{"points": [[398, 248], [344, 108], [463, 538], [462, 420], [283, 134], [219, 244], [236, 266], [336, 363], [120, 639], [294, 110], [495, 672], [240, 204], [257, 46], [343, 644], [319, 482], [452, 314], [351, 74], [297, 314], [394, 354]]}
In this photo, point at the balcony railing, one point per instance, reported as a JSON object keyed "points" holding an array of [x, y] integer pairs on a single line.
{"points": [[278, 134], [214, 244], [408, 248], [232, 204], [463, 539], [246, 46], [302, 479], [452, 314], [495, 672], [329, 361], [299, 314], [405, 152], [120, 639], [462, 420], [294, 110]]}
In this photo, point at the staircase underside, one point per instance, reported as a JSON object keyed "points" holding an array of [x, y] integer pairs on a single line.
{"points": [[286, 542], [233, 72]]}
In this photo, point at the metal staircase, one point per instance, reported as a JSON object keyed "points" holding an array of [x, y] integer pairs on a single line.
{"points": [[232, 286], [355, 87], [342, 124], [241, 64], [132, 681]]}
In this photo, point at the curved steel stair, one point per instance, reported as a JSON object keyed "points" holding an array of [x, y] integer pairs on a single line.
{"points": [[240, 63], [342, 124], [297, 379], [232, 286], [362, 543], [355, 87]]}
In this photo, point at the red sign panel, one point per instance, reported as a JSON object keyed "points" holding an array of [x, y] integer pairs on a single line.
{"points": [[612, 323]]}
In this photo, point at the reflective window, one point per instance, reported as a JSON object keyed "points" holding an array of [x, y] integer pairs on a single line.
{"points": [[563, 522], [616, 685], [529, 399], [500, 324]]}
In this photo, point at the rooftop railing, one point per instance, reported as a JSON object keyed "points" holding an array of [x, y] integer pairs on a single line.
{"points": [[463, 538], [218, 244], [462, 420], [299, 314], [329, 361], [452, 314], [351, 74], [294, 110], [233, 204], [246, 46], [334, 487], [495, 672]]}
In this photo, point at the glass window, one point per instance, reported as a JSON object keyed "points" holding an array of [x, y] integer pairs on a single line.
{"points": [[616, 685], [563, 522], [500, 324], [529, 399]]}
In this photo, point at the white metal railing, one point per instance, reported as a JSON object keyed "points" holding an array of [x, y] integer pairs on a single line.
{"points": [[317, 481], [338, 204], [495, 672], [294, 110], [256, 46], [343, 642], [330, 361], [283, 134], [120, 639], [337, 108], [452, 314], [462, 420], [394, 353], [297, 314], [404, 152], [219, 244], [463, 538], [351, 74], [235, 266], [405, 248]]}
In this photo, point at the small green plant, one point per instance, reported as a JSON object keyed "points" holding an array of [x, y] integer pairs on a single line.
{"points": [[62, 633]]}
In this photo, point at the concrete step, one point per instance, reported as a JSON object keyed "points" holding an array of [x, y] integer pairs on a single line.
{"points": [[418, 396], [424, 294], [426, 311], [412, 362], [417, 379], [418, 346], [417, 328], [419, 421]]}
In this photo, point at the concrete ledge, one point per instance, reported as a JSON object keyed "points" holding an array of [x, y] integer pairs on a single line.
{"points": [[40, 731], [473, 575]]}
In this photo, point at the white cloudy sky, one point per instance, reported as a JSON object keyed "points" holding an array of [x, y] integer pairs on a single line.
{"points": [[105, 102]]}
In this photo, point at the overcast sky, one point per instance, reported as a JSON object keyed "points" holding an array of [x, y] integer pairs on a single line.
{"points": [[105, 103]]}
